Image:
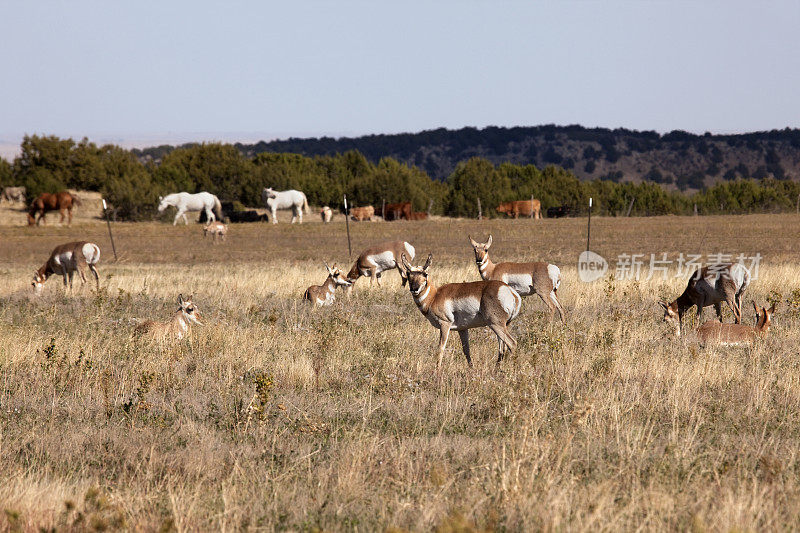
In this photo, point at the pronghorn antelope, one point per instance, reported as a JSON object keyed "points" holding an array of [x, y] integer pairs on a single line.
{"points": [[66, 259], [464, 306], [711, 285], [380, 258], [713, 332], [325, 294], [326, 213], [177, 327], [525, 278], [215, 229]]}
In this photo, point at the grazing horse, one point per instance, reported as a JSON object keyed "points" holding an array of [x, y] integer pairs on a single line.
{"points": [[291, 199], [183, 201], [60, 201]]}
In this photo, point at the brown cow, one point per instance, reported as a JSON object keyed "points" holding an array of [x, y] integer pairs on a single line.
{"points": [[400, 211], [60, 201], [418, 215], [521, 207], [362, 213]]}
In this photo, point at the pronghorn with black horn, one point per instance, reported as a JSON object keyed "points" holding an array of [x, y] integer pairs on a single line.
{"points": [[177, 327], [325, 294], [526, 278], [713, 332], [380, 258], [711, 285], [66, 259], [464, 306]]}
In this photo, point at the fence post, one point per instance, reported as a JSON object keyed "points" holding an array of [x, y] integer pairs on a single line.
{"points": [[630, 206], [383, 209], [430, 206], [347, 225], [531, 206], [480, 213], [105, 210], [695, 209]]}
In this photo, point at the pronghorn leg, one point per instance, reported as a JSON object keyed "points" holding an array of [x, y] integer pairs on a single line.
{"points": [[464, 334], [71, 275], [737, 317], [699, 313], [444, 332], [504, 336], [549, 303], [96, 276], [378, 278], [557, 302], [718, 309]]}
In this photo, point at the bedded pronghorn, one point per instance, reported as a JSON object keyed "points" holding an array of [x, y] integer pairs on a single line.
{"points": [[713, 332], [380, 258], [711, 285], [526, 278], [215, 229], [325, 294], [464, 306], [177, 327], [66, 259]]}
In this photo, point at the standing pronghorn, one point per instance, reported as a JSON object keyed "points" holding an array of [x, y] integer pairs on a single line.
{"points": [[713, 332], [215, 229], [66, 259], [463, 306], [325, 294], [526, 278], [177, 327], [711, 285], [380, 258]]}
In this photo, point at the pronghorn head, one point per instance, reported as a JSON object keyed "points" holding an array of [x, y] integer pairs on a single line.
{"points": [[672, 315], [417, 277], [763, 317], [337, 276], [189, 309], [481, 250], [38, 282]]}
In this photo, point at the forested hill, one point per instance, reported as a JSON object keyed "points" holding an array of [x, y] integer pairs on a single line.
{"points": [[677, 158]]}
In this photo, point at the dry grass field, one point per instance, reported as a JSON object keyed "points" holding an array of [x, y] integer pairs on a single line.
{"points": [[276, 416]]}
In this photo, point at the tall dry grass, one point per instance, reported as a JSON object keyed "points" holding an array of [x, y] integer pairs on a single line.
{"points": [[276, 416]]}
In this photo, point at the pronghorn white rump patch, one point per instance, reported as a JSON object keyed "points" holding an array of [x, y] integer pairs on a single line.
{"points": [[91, 252], [410, 252], [510, 300], [554, 273]]}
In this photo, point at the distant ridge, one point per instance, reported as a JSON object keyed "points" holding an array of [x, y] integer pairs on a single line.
{"points": [[675, 159]]}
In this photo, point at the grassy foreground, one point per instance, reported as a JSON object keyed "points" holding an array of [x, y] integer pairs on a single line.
{"points": [[274, 416]]}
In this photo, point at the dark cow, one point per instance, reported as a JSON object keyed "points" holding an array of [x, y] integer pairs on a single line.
{"points": [[400, 211], [558, 212]]}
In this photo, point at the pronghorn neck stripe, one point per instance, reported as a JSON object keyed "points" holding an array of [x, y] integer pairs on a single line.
{"points": [[424, 294]]}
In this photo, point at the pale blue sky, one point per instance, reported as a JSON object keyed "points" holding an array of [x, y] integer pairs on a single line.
{"points": [[246, 70]]}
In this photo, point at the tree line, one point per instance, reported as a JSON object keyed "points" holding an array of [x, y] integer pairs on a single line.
{"points": [[132, 184]]}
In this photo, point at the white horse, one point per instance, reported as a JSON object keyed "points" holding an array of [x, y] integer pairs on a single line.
{"points": [[290, 199], [184, 202]]}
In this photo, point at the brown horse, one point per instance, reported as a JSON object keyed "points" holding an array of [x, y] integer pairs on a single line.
{"points": [[60, 201]]}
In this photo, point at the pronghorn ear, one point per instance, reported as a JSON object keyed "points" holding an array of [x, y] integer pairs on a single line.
{"points": [[428, 262], [771, 308], [489, 242], [472, 242], [327, 267]]}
